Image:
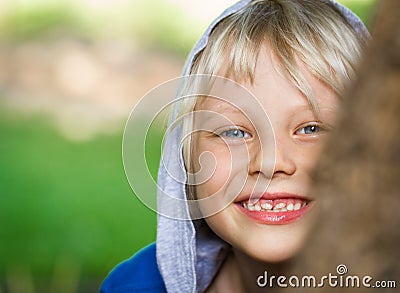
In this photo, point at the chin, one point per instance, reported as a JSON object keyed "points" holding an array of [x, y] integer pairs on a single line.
{"points": [[277, 252], [277, 243]]}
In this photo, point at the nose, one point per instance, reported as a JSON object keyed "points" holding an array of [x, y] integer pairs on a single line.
{"points": [[274, 161], [285, 164]]}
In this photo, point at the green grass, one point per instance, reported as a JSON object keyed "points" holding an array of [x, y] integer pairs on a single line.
{"points": [[66, 200]]}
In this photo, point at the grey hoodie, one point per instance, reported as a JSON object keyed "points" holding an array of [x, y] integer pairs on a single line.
{"points": [[188, 253]]}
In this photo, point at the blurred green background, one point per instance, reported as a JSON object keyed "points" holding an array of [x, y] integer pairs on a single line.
{"points": [[70, 73]]}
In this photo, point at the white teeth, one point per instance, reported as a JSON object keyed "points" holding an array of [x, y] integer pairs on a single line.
{"points": [[297, 206], [280, 205], [266, 206]]}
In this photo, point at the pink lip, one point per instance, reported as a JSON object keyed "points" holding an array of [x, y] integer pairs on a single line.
{"points": [[276, 195], [276, 218]]}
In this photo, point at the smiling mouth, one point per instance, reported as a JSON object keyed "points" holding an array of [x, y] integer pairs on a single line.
{"points": [[277, 205], [278, 211]]}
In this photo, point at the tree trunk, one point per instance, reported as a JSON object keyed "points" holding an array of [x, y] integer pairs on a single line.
{"points": [[358, 179]]}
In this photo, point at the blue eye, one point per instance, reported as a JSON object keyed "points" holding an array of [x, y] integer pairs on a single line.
{"points": [[309, 130], [235, 134]]}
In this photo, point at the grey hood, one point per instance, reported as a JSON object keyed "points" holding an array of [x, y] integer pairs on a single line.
{"points": [[188, 253]]}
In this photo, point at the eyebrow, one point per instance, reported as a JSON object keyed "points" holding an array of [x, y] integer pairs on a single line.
{"points": [[223, 107], [302, 108]]}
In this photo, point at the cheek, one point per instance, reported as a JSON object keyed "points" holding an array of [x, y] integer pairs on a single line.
{"points": [[308, 155], [213, 171]]}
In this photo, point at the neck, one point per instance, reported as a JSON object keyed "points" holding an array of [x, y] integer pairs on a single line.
{"points": [[252, 271], [240, 273]]}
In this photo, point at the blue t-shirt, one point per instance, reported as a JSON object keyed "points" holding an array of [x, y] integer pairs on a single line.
{"points": [[137, 274]]}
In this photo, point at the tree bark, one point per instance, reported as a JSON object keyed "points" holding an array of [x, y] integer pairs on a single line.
{"points": [[357, 181]]}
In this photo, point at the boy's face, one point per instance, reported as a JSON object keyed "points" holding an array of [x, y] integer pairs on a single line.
{"points": [[239, 151]]}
